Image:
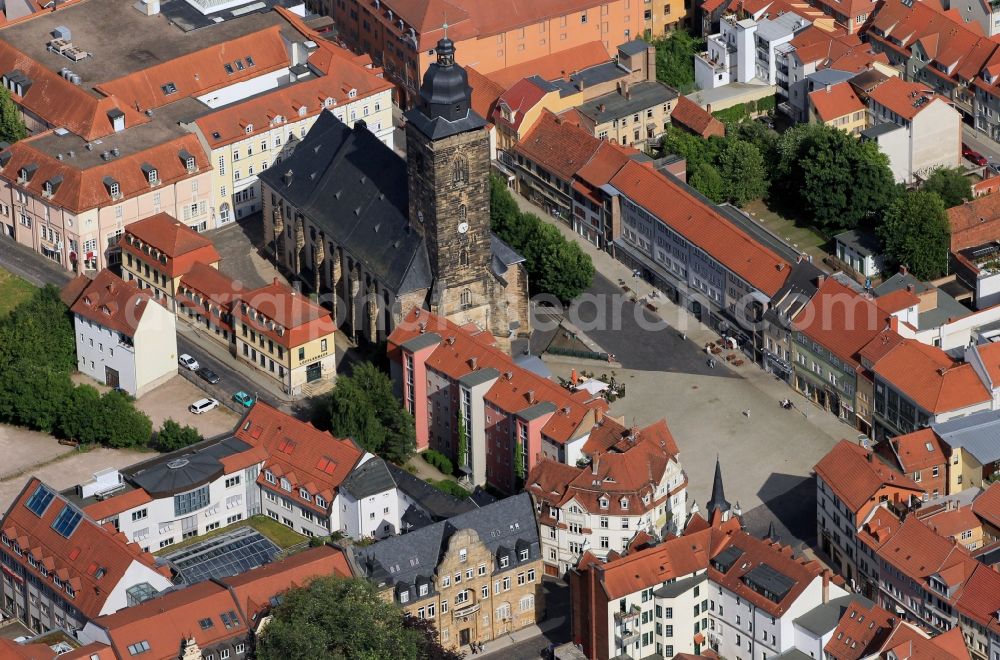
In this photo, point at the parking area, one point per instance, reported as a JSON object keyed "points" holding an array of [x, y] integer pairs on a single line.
{"points": [[171, 400]]}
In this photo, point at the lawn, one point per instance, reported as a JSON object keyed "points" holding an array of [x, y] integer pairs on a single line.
{"points": [[13, 290], [804, 238], [282, 536]]}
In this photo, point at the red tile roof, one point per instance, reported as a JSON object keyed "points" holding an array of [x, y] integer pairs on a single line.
{"points": [[840, 319], [974, 223], [881, 344], [61, 103], [908, 643], [260, 112], [181, 245], [929, 377], [857, 475], [84, 189], [702, 225], [558, 146], [952, 523], [906, 99], [623, 464], [458, 348], [555, 66], [307, 457], [93, 560], [212, 285], [521, 97], [919, 450], [164, 622], [202, 71], [917, 551], [696, 119], [112, 506], [835, 101], [113, 303], [987, 506], [860, 633], [980, 598], [605, 164], [896, 301], [300, 319], [485, 93]]}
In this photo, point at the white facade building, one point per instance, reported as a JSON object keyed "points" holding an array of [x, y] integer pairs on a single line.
{"points": [[598, 504], [124, 338]]}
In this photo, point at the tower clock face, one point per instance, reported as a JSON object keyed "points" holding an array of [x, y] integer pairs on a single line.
{"points": [[463, 227]]}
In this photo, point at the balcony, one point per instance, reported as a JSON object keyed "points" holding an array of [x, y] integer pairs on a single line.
{"points": [[628, 637], [628, 615]]}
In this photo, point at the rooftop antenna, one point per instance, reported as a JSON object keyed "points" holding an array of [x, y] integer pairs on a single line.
{"points": [[445, 26]]}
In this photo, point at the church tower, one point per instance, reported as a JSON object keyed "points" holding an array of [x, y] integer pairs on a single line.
{"points": [[448, 159]]}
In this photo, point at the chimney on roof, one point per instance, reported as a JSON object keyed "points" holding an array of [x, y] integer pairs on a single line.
{"points": [[593, 464], [820, 279], [473, 361], [869, 456], [530, 396], [909, 288], [828, 88], [580, 84], [708, 108], [903, 270], [826, 585], [601, 107]]}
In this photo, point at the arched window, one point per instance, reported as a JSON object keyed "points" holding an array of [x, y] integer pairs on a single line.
{"points": [[463, 258], [466, 298], [462, 213], [461, 169]]}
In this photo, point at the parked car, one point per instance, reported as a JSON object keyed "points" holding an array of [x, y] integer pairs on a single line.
{"points": [[188, 362], [203, 405], [243, 399], [994, 165], [209, 375], [973, 156]]}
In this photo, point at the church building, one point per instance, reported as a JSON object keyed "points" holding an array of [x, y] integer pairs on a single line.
{"points": [[375, 236]]}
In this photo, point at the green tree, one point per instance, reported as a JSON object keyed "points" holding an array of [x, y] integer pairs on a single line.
{"points": [[555, 265], [172, 436], [34, 395], [843, 183], [364, 408], [344, 619], [951, 185], [757, 134], [742, 169], [707, 180], [12, 126], [692, 148], [463, 441], [915, 233], [81, 417], [40, 331], [675, 59], [124, 426]]}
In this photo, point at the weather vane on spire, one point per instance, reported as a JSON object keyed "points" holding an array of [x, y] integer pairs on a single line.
{"points": [[445, 25]]}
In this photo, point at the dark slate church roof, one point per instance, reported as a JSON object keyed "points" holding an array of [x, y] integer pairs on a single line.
{"points": [[354, 188], [410, 560]]}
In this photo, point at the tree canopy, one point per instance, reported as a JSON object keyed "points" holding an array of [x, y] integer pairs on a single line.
{"points": [[915, 233], [555, 265], [172, 436], [950, 184], [741, 167], [364, 408], [675, 59], [345, 619], [37, 356], [12, 126]]}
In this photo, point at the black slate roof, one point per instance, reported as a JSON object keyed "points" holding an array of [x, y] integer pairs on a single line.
{"points": [[436, 504], [354, 189], [370, 478], [409, 561]]}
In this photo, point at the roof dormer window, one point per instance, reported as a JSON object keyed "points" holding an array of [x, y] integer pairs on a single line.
{"points": [[25, 173], [603, 502], [327, 102], [113, 187], [249, 129], [352, 94], [150, 173]]}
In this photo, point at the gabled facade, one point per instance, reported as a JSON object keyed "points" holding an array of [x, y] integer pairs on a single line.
{"points": [[631, 483], [476, 576], [124, 337], [61, 568], [850, 483]]}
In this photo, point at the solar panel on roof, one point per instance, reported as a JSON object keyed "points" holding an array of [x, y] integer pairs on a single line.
{"points": [[39, 500]]}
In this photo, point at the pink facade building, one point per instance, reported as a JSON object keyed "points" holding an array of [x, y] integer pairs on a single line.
{"points": [[494, 419], [71, 203]]}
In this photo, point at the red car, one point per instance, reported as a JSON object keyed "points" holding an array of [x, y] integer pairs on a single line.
{"points": [[973, 156]]}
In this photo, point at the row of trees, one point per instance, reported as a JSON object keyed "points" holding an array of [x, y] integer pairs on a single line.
{"points": [[829, 180], [37, 357], [555, 265]]}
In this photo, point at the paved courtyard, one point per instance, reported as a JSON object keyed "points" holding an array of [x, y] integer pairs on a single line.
{"points": [[238, 245]]}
